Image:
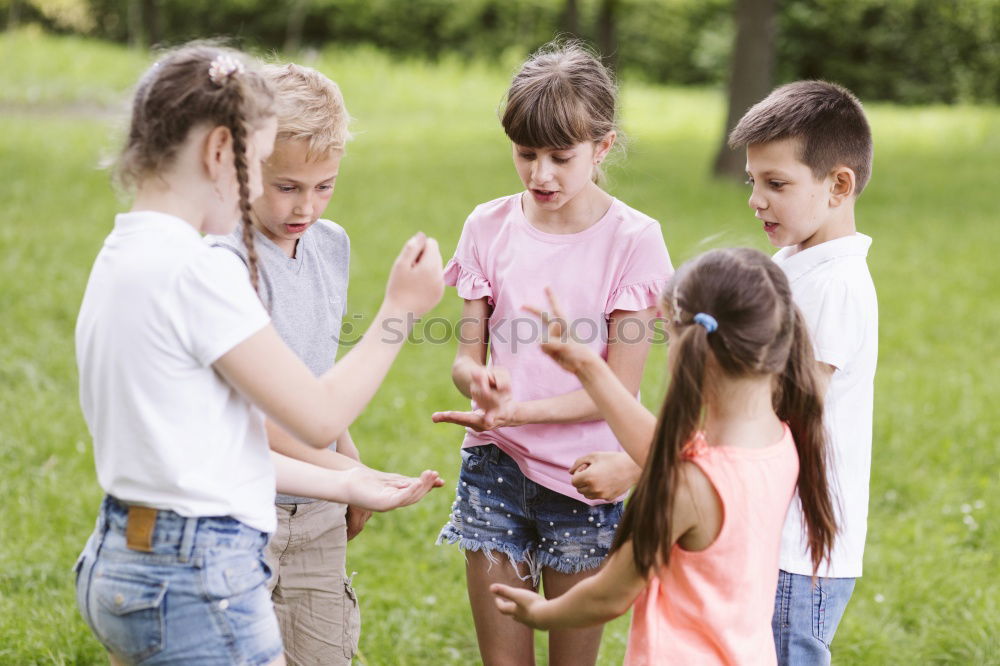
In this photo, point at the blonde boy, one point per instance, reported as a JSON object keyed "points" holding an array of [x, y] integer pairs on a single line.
{"points": [[809, 156], [303, 263]]}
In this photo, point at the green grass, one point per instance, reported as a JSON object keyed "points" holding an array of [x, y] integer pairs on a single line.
{"points": [[427, 149]]}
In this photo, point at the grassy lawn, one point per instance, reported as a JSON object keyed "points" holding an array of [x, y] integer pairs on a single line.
{"points": [[428, 148]]}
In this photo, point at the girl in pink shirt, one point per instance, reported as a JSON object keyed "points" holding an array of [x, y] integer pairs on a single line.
{"points": [[697, 551], [534, 434]]}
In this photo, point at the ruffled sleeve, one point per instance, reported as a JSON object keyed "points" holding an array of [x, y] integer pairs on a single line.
{"points": [[644, 274], [636, 297], [469, 284]]}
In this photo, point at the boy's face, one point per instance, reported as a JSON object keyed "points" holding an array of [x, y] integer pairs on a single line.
{"points": [[296, 192], [794, 207]]}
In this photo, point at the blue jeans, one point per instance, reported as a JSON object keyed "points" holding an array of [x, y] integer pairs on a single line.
{"points": [[498, 509], [806, 617], [199, 597]]}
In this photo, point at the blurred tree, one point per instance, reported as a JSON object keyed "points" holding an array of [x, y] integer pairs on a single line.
{"points": [[571, 18], [607, 32], [13, 14], [136, 27], [751, 74], [296, 22]]}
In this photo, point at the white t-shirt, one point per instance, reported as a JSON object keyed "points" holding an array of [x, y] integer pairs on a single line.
{"points": [[160, 307], [834, 290]]}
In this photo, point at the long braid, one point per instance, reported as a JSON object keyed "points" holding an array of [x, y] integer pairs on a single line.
{"points": [[238, 129]]}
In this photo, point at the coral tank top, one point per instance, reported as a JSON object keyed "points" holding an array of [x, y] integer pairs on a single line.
{"points": [[714, 606]]}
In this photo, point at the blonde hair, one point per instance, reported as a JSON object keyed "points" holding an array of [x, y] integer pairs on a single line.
{"points": [[310, 107], [196, 84]]}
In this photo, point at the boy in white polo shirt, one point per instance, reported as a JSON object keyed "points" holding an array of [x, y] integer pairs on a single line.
{"points": [[809, 156], [303, 262]]}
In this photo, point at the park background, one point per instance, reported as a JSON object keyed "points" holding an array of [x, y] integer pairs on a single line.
{"points": [[423, 80]]}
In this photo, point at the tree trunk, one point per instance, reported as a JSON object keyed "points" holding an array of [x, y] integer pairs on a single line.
{"points": [[152, 14], [296, 23], [571, 18], [14, 15], [607, 32], [136, 31], [751, 74]]}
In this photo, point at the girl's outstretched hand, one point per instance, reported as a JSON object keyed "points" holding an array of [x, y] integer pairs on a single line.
{"points": [[416, 282], [490, 388], [383, 491], [561, 348], [518, 603]]}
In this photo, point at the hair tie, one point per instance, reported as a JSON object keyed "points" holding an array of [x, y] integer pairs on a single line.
{"points": [[223, 67], [708, 321]]}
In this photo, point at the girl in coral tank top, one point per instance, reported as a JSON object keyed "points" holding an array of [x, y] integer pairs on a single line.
{"points": [[740, 429]]}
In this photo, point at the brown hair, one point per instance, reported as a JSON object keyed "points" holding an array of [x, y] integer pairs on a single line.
{"points": [[760, 332], [178, 93], [310, 107], [827, 118], [563, 95]]}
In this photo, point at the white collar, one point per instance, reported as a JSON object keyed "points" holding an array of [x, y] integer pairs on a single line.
{"points": [[798, 263]]}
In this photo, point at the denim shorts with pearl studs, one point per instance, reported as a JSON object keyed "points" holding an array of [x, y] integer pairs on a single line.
{"points": [[498, 510]]}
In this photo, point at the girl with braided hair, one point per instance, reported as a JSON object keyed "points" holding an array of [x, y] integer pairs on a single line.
{"points": [[742, 424], [178, 359]]}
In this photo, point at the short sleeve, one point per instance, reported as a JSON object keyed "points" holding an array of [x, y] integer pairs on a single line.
{"points": [[834, 322], [644, 275], [465, 272], [215, 307]]}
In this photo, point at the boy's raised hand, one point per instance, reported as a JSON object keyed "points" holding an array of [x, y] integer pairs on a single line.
{"points": [[383, 491], [416, 281], [561, 348], [517, 603]]}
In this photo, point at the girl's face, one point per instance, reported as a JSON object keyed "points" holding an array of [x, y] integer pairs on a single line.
{"points": [[554, 176]]}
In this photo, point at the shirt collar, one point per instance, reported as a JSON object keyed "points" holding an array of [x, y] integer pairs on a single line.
{"points": [[796, 264]]}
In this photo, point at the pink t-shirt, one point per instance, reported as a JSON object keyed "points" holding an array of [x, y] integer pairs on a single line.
{"points": [[714, 606], [618, 263]]}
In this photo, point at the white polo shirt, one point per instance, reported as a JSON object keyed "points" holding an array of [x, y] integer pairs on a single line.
{"points": [[834, 290], [160, 308]]}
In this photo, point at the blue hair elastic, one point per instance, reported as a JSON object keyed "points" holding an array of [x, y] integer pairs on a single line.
{"points": [[708, 321]]}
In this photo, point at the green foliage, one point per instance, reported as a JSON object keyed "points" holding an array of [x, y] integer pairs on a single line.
{"points": [[916, 51], [428, 148], [913, 51]]}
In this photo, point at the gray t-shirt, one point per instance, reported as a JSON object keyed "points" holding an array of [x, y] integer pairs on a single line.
{"points": [[305, 294]]}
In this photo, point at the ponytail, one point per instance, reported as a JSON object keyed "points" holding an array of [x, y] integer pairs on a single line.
{"points": [[799, 403], [647, 519], [737, 306]]}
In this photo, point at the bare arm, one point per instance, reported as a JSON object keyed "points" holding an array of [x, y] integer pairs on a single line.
{"points": [[283, 443], [597, 599], [626, 360], [359, 486], [491, 390], [695, 522], [318, 411], [630, 421], [473, 343]]}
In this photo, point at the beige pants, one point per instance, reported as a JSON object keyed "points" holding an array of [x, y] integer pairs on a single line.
{"points": [[316, 606]]}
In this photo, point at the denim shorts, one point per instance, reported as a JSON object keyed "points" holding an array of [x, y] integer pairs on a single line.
{"points": [[498, 509], [200, 596]]}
